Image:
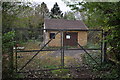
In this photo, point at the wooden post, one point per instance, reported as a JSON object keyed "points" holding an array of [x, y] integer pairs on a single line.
{"points": [[11, 67], [15, 58]]}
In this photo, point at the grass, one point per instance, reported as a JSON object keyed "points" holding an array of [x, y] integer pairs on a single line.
{"points": [[70, 61], [106, 70], [61, 73], [42, 60], [45, 61], [32, 45], [66, 47], [92, 45], [96, 55]]}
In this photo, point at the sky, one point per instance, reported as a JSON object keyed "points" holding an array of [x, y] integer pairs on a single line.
{"points": [[50, 4]]}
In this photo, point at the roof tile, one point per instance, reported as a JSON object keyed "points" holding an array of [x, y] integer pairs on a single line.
{"points": [[64, 24]]}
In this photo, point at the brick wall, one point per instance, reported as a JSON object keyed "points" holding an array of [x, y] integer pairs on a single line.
{"points": [[82, 38]]}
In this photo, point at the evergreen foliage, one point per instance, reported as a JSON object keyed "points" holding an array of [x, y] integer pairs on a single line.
{"points": [[56, 12]]}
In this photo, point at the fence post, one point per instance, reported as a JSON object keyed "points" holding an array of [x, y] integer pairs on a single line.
{"points": [[11, 67], [15, 58], [62, 49], [104, 48]]}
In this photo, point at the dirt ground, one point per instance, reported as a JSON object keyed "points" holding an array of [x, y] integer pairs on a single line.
{"points": [[52, 59]]}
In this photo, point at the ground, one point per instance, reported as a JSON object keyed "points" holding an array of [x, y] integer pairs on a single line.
{"points": [[52, 60]]}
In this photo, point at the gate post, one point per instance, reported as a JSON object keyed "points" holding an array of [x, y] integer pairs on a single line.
{"points": [[62, 49]]}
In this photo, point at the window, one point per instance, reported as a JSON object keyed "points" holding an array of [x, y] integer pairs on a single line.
{"points": [[52, 35], [67, 36]]}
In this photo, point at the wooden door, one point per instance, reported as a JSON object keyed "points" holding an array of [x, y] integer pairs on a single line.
{"points": [[70, 38]]}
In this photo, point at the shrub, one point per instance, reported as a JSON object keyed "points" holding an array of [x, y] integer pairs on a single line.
{"points": [[8, 41]]}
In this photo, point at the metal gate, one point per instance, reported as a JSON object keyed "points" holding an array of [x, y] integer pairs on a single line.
{"points": [[32, 51]]}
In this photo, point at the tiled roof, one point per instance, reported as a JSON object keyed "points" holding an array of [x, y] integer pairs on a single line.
{"points": [[64, 24]]}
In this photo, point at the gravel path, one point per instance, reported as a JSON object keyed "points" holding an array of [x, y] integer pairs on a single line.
{"points": [[82, 72], [72, 53]]}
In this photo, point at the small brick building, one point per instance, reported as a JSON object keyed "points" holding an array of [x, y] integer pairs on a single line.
{"points": [[77, 32]]}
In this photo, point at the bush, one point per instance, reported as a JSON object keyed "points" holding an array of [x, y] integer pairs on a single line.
{"points": [[7, 47], [8, 41]]}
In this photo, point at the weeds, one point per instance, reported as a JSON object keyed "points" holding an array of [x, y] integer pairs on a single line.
{"points": [[106, 70], [61, 73]]}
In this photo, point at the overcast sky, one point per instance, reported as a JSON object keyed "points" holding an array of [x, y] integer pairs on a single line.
{"points": [[50, 4]]}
